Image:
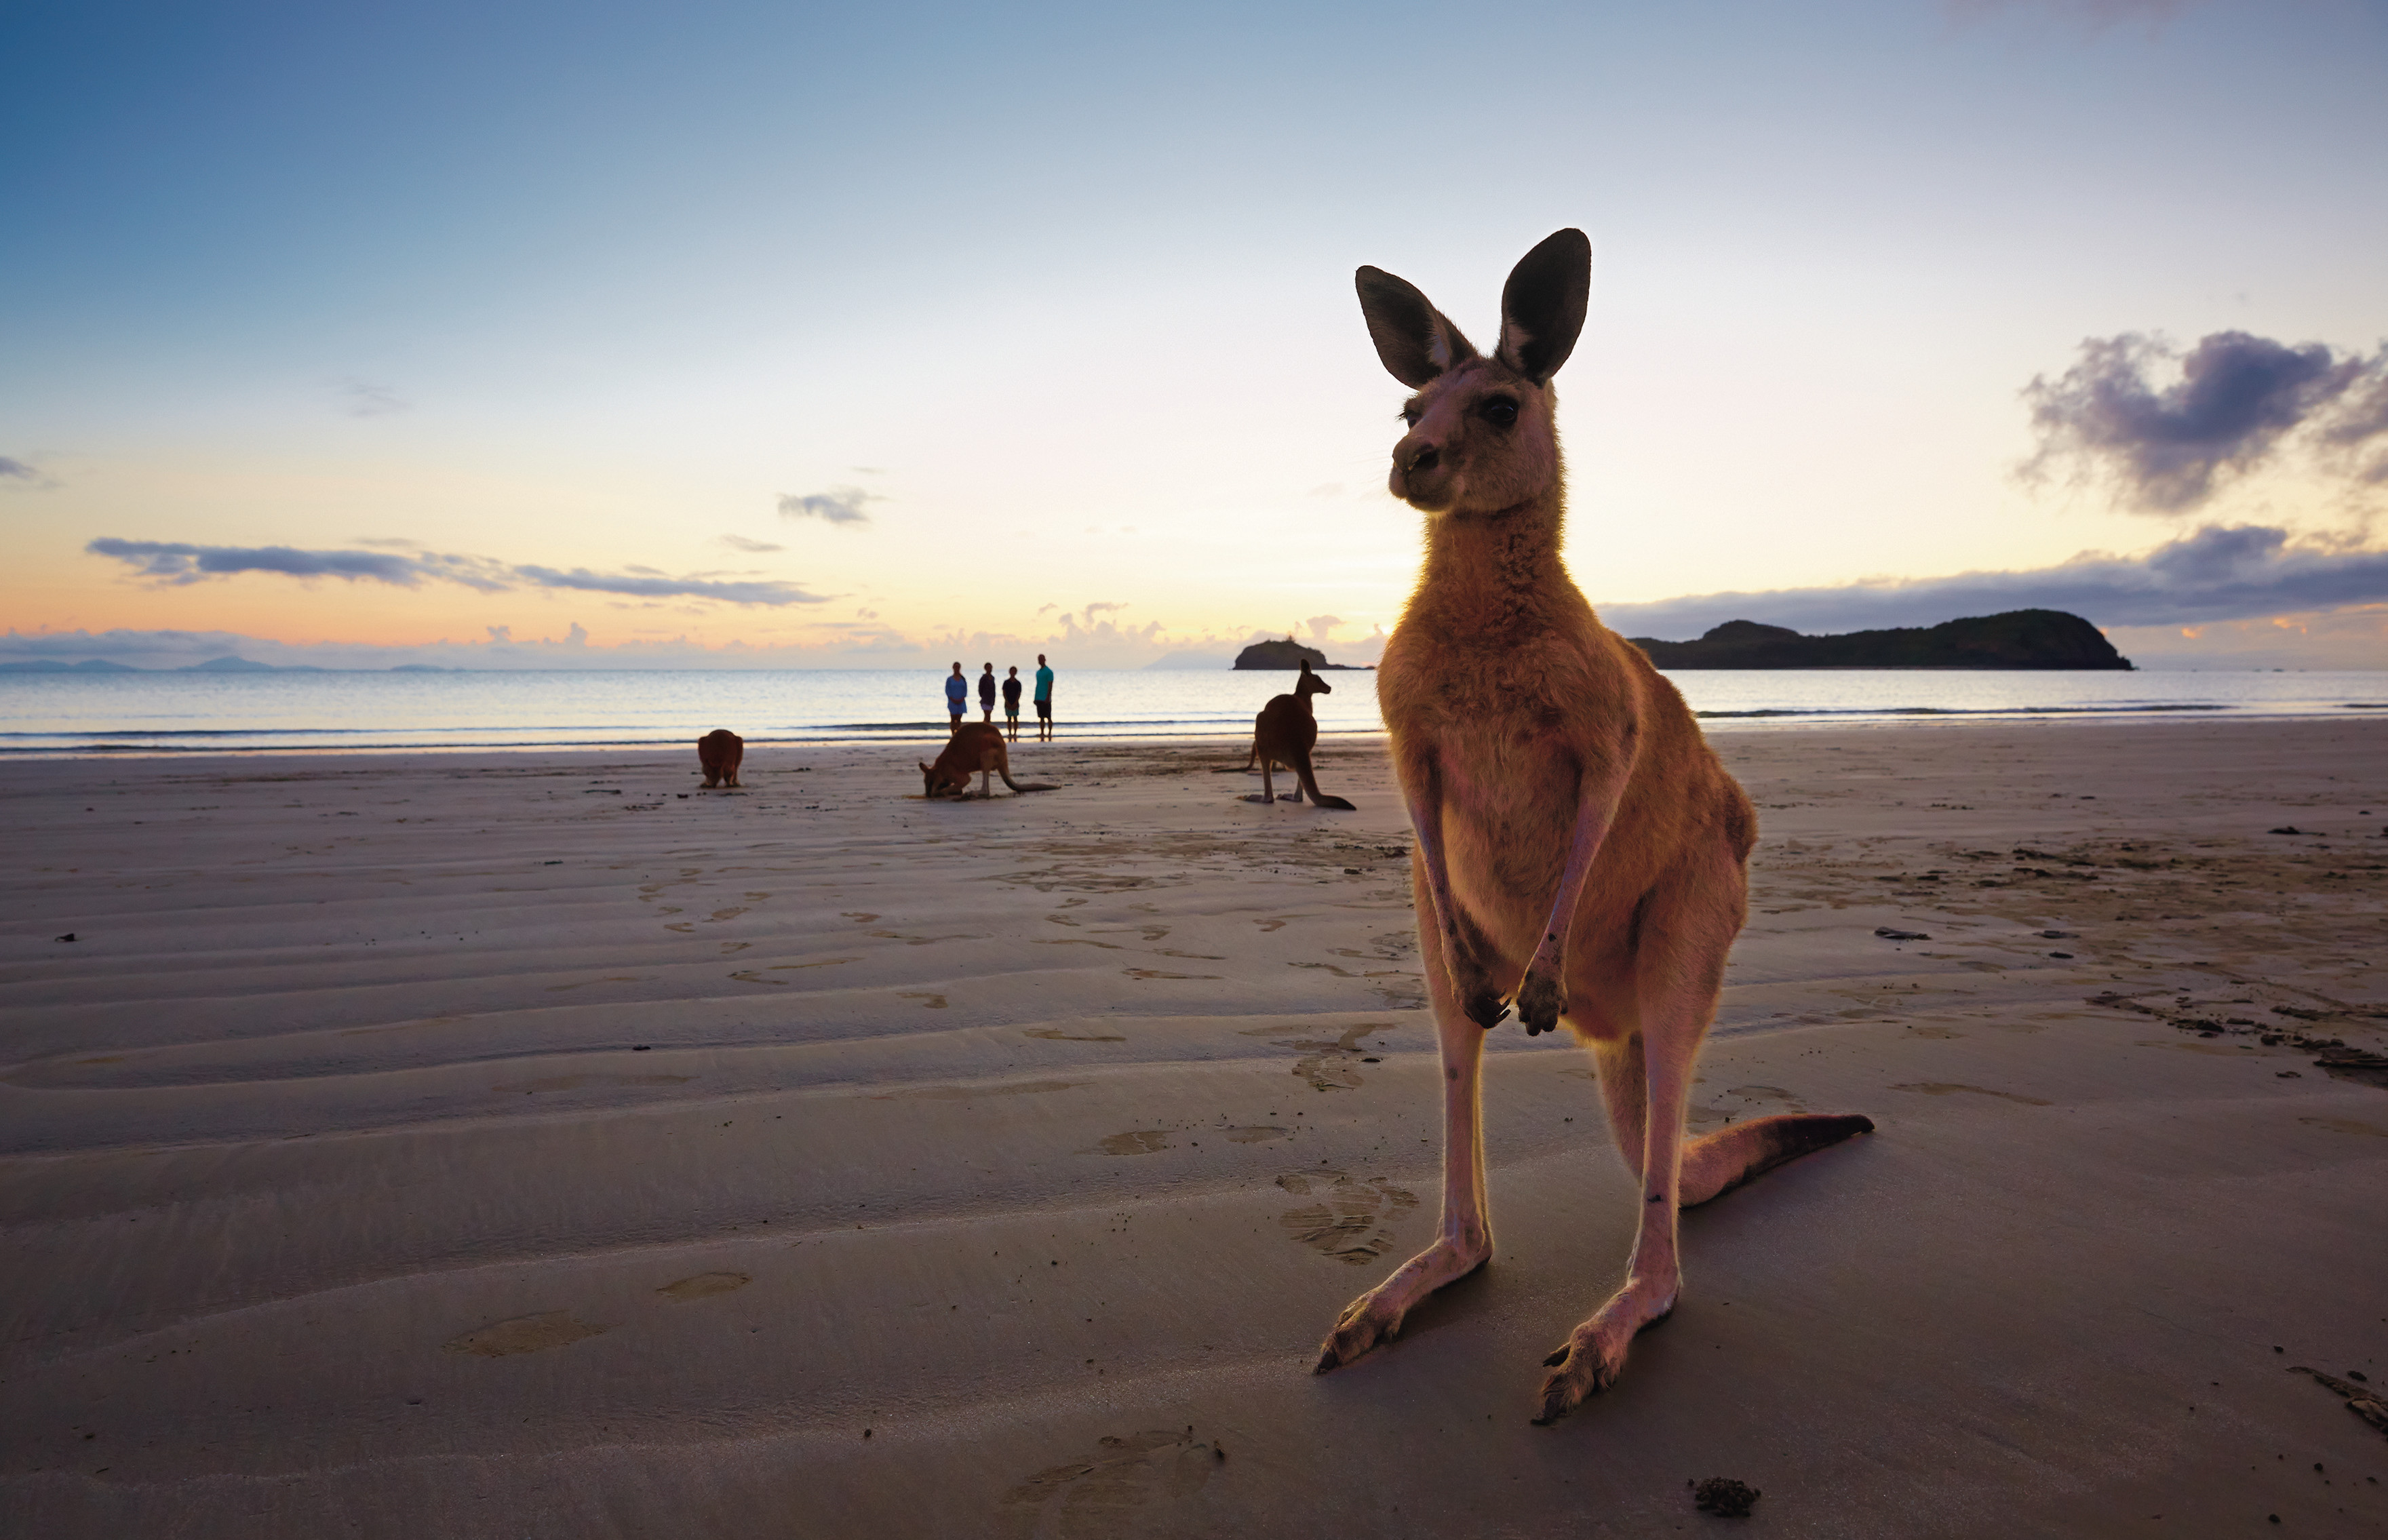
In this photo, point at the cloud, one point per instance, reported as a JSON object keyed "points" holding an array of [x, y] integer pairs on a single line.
{"points": [[837, 505], [2240, 402], [1322, 626], [179, 565], [18, 470], [2212, 574], [752, 547], [363, 398]]}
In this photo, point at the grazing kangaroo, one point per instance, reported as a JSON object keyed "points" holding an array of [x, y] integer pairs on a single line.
{"points": [[721, 752], [1284, 733], [1580, 852], [976, 748]]}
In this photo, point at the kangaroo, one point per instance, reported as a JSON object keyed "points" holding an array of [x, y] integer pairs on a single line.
{"points": [[975, 748], [1284, 733], [721, 752], [1581, 854]]}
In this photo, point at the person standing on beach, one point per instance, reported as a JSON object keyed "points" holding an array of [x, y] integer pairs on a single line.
{"points": [[1011, 705], [956, 697], [1044, 701], [986, 695]]}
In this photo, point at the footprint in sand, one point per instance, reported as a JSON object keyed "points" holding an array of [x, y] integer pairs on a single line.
{"points": [[928, 1001], [1352, 1219], [526, 1334], [1941, 1088], [1329, 1066], [1110, 1492], [703, 1286], [1155, 972], [1054, 1033], [1135, 1142]]}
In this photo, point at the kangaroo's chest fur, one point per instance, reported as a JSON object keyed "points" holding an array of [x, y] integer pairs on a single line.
{"points": [[1509, 709]]}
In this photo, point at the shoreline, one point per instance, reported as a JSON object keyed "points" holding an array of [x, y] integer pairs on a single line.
{"points": [[1710, 722]]}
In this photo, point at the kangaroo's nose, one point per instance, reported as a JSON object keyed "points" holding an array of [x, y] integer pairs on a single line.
{"points": [[1421, 457]]}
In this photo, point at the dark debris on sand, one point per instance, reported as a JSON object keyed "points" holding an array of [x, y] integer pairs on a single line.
{"points": [[2362, 1400], [1724, 1497]]}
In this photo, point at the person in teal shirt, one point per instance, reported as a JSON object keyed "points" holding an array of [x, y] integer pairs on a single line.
{"points": [[1044, 701]]}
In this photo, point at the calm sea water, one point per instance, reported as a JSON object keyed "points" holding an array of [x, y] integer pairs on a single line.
{"points": [[166, 713]]}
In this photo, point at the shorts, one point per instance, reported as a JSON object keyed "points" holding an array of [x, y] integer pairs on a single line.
{"points": [[1044, 711]]}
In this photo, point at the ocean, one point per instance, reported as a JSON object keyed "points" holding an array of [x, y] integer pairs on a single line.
{"points": [[279, 712]]}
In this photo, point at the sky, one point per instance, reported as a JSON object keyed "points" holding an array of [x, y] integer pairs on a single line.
{"points": [[528, 335]]}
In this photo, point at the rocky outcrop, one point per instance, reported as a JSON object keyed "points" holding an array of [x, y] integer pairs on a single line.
{"points": [[1287, 653], [2018, 639]]}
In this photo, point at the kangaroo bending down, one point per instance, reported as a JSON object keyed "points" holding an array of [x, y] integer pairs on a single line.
{"points": [[976, 748], [1284, 733], [719, 754], [1580, 852]]}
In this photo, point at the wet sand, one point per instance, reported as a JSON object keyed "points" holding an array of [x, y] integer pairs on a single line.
{"points": [[539, 1145]]}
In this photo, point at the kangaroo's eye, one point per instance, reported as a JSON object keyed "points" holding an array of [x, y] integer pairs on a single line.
{"points": [[1411, 413], [1500, 411]]}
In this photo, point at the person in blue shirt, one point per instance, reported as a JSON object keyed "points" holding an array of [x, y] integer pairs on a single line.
{"points": [[956, 697], [1044, 701]]}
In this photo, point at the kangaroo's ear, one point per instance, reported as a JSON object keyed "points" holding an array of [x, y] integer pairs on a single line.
{"points": [[1543, 303], [1415, 340]]}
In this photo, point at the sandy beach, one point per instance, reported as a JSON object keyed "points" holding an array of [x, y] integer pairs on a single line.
{"points": [[536, 1144]]}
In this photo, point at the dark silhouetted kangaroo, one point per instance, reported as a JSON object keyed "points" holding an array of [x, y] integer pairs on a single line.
{"points": [[1284, 733]]}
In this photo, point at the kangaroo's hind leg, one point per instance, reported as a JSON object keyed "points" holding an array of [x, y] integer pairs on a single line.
{"points": [[1464, 1242], [1676, 966]]}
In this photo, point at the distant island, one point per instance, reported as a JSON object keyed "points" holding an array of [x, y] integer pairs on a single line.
{"points": [[2018, 639], [225, 664], [1287, 655]]}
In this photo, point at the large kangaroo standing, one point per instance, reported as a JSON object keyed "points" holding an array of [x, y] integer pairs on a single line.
{"points": [[1581, 852], [1284, 733]]}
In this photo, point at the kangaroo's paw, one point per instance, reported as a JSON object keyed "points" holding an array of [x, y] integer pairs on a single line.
{"points": [[1376, 1317], [1255, 796], [1593, 1355], [1542, 1000]]}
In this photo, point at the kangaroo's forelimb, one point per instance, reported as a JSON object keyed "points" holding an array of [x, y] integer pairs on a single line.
{"points": [[1478, 997], [1541, 997]]}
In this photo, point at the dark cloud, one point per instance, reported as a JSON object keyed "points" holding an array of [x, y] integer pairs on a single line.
{"points": [[2213, 574], [179, 564], [837, 505], [2240, 402]]}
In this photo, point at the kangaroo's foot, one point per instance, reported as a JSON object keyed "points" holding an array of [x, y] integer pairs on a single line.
{"points": [[1258, 797], [1376, 1317], [1593, 1355]]}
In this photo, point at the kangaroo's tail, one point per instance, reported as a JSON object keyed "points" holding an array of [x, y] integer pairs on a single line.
{"points": [[1317, 797], [1025, 785], [1719, 1162]]}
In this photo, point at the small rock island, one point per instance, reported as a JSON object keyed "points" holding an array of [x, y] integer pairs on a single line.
{"points": [[2017, 639], [1287, 654]]}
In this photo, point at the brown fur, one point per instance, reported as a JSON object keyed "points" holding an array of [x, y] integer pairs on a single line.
{"points": [[1581, 854], [1284, 733], [976, 748], [721, 752]]}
